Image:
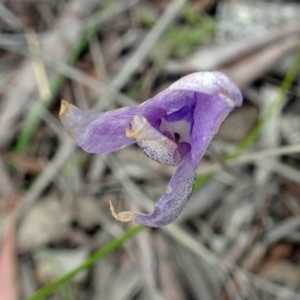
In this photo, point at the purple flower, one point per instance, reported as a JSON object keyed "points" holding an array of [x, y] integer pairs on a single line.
{"points": [[174, 128]]}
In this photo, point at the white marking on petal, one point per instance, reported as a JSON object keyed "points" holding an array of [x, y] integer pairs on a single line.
{"points": [[228, 100], [163, 151], [141, 129], [152, 142], [182, 127]]}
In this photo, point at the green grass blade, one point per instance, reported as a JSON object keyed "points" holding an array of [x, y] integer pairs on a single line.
{"points": [[109, 248], [47, 257]]}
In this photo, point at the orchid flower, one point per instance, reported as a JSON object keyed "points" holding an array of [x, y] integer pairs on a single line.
{"points": [[173, 128]]}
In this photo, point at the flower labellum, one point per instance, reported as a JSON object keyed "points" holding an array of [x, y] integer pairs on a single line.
{"points": [[174, 128]]}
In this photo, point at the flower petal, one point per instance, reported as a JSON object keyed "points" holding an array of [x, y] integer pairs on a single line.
{"points": [[152, 142], [102, 132], [171, 204], [209, 83], [171, 100], [189, 112], [181, 92], [209, 114]]}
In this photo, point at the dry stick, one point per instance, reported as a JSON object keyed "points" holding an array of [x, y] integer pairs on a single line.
{"points": [[104, 89], [17, 40], [187, 241], [137, 58], [61, 157], [249, 158], [43, 86], [228, 54], [281, 230], [283, 170], [98, 59], [6, 185], [10, 18], [38, 65], [270, 134], [247, 70]]}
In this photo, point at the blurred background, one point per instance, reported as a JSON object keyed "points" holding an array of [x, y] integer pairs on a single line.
{"points": [[238, 238]]}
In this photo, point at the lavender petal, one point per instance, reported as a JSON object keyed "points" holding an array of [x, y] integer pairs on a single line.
{"points": [[103, 132], [171, 204]]}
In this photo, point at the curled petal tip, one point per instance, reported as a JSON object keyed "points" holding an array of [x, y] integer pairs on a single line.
{"points": [[64, 108], [137, 131], [230, 102], [124, 216], [131, 134]]}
